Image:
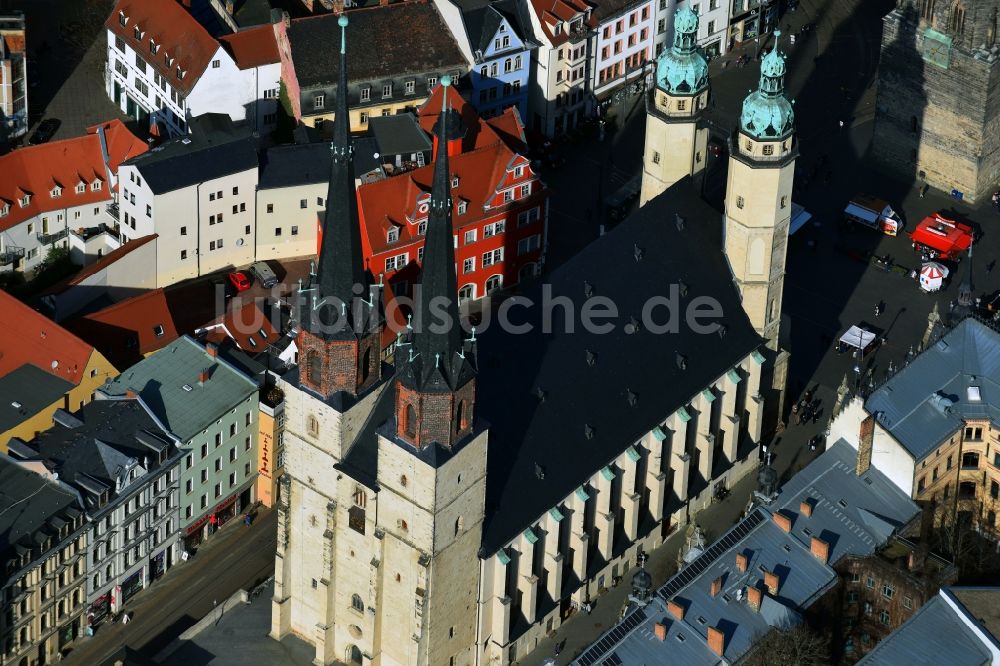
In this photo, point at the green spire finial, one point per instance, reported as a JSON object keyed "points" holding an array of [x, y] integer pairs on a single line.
{"points": [[342, 22]]}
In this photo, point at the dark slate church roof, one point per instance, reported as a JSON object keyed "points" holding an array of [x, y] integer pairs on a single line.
{"points": [[527, 432]]}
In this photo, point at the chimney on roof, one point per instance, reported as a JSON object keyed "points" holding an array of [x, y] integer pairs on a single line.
{"points": [[782, 521], [716, 641], [771, 582], [203, 377], [741, 562], [131, 394], [754, 596], [716, 587], [212, 349], [675, 609], [820, 549], [806, 508], [660, 630]]}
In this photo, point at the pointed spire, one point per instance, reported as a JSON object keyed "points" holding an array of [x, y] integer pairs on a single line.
{"points": [[341, 262], [439, 344]]}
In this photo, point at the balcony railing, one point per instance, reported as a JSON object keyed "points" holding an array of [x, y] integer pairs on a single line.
{"points": [[113, 211], [48, 239], [11, 255]]}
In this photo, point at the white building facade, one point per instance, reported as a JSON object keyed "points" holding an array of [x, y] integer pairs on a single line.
{"points": [[624, 46]]}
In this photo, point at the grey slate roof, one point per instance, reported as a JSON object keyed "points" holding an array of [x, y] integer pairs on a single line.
{"points": [[936, 634], [402, 38], [28, 502], [803, 578], [103, 444], [399, 134], [525, 430], [32, 389], [929, 399], [482, 19], [168, 384], [294, 164], [215, 148]]}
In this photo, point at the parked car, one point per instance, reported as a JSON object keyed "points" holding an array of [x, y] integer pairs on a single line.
{"points": [[240, 280], [265, 276], [44, 131]]}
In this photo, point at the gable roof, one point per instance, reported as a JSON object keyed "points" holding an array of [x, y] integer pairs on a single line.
{"points": [[177, 34], [938, 633], [248, 327], [825, 482], [25, 392], [126, 331], [36, 170], [99, 265], [252, 48], [526, 431], [168, 384], [930, 398], [29, 337], [393, 40], [552, 11], [483, 19]]}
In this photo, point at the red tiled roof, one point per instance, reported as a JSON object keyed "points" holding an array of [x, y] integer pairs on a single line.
{"points": [[127, 331], [249, 327], [176, 33], [477, 132], [34, 170], [252, 48], [552, 11], [29, 337], [14, 43], [509, 128]]}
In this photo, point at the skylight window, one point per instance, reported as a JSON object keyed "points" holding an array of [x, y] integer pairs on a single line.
{"points": [[973, 394], [158, 330]]}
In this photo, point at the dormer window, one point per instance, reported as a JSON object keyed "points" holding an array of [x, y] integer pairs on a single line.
{"points": [[167, 60], [153, 47], [422, 229], [96, 185], [25, 200], [4, 209], [137, 32], [81, 187], [56, 192], [558, 29], [122, 19], [393, 235], [454, 182], [518, 171], [180, 73], [103, 498], [462, 207]]}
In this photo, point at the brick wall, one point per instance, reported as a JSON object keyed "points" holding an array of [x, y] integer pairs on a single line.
{"points": [[435, 415], [344, 365]]}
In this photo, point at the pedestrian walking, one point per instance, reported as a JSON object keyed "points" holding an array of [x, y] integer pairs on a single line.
{"points": [[841, 124], [246, 519]]}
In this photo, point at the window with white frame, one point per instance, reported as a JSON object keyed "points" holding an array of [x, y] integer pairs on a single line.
{"points": [[508, 196], [470, 236], [432, 81], [318, 101], [518, 171], [366, 94], [410, 87], [462, 207], [529, 244], [493, 229], [493, 257], [396, 262], [469, 265], [523, 191], [393, 234], [386, 90], [422, 228]]}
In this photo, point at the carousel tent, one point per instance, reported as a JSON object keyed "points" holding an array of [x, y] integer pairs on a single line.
{"points": [[932, 276]]}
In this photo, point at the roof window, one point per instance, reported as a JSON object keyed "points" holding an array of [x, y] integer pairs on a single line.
{"points": [[158, 330], [974, 394], [122, 19]]}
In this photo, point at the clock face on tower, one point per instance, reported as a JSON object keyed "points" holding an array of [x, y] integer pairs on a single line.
{"points": [[937, 48]]}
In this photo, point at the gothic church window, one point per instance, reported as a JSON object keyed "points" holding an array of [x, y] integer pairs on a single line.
{"points": [[357, 603], [315, 365], [410, 421], [927, 10], [958, 18]]}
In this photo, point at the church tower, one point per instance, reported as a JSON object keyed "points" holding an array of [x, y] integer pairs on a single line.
{"points": [[759, 196], [675, 144], [432, 458], [340, 313]]}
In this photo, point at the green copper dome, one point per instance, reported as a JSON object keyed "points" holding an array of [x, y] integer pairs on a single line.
{"points": [[682, 68], [767, 113]]}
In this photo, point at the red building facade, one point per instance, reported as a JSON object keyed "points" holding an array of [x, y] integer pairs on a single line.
{"points": [[499, 208]]}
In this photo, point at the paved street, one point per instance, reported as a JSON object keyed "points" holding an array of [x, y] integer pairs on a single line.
{"points": [[233, 559]]}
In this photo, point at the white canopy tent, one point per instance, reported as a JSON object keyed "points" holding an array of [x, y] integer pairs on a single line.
{"points": [[932, 276], [858, 338]]}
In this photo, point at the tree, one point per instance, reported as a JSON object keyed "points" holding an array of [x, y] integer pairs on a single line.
{"points": [[285, 121], [800, 646]]}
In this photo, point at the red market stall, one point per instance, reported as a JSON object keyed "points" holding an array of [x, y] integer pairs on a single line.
{"points": [[937, 237]]}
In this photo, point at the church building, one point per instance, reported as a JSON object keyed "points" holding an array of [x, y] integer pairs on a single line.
{"points": [[938, 99], [457, 506]]}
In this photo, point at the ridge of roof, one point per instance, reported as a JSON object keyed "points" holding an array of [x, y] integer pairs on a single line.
{"points": [[253, 47]]}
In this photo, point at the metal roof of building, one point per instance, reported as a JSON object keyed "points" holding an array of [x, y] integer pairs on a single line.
{"points": [[938, 634], [168, 384], [295, 164], [840, 499], [931, 398]]}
